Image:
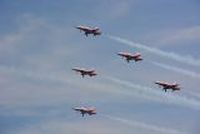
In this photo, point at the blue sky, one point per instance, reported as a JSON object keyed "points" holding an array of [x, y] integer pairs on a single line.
{"points": [[39, 46]]}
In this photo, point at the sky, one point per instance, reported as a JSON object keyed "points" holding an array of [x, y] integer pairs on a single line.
{"points": [[39, 46]]}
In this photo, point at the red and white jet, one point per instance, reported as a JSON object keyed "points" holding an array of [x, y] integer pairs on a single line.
{"points": [[174, 86], [128, 56], [88, 30], [85, 110], [83, 71]]}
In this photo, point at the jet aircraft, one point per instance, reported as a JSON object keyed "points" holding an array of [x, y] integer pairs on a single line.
{"points": [[83, 71], [165, 85], [85, 110], [128, 56], [89, 30]]}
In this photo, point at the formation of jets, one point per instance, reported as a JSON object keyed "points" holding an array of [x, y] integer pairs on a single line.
{"points": [[167, 85], [125, 55], [85, 110], [89, 30]]}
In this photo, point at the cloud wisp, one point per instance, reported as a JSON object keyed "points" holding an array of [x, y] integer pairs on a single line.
{"points": [[181, 35], [183, 59], [142, 125], [178, 70], [53, 77], [138, 90]]}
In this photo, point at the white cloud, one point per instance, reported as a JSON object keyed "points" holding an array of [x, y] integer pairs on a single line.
{"points": [[26, 25], [119, 9], [94, 125], [142, 125], [113, 9], [62, 126], [178, 70], [180, 36], [30, 88]]}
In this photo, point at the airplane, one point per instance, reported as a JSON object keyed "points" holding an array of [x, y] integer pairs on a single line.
{"points": [[128, 56], [174, 86], [85, 110], [88, 30], [83, 72]]}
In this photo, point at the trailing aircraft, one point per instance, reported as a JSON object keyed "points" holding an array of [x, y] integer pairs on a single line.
{"points": [[89, 30], [166, 85], [85, 110], [128, 56], [83, 71]]}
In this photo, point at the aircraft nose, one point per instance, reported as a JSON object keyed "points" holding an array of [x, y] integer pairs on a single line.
{"points": [[156, 82], [77, 27], [119, 53]]}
